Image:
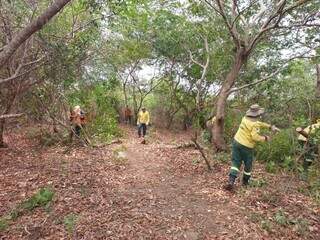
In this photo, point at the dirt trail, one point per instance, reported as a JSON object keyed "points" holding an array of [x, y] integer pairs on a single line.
{"points": [[177, 197]]}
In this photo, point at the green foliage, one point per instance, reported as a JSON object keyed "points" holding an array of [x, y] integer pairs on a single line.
{"points": [[280, 218], [271, 167], [279, 150], [100, 103], [70, 222], [41, 198], [314, 181]]}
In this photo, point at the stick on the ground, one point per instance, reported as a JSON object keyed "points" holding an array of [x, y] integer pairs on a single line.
{"points": [[11, 115], [186, 145], [202, 153]]}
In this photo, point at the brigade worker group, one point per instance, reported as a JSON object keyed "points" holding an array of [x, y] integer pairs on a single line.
{"points": [[244, 141]]}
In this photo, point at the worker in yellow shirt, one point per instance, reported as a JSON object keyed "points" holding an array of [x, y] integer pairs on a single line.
{"points": [[244, 142], [142, 122], [306, 140]]}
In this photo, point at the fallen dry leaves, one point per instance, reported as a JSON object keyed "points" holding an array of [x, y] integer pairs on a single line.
{"points": [[156, 192]]}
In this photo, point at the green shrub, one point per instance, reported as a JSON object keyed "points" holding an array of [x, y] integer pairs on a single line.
{"points": [[279, 150], [313, 188], [104, 127], [100, 103], [271, 167], [281, 219], [41, 198]]}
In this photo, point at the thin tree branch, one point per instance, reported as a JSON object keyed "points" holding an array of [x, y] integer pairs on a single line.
{"points": [[17, 75], [283, 66]]}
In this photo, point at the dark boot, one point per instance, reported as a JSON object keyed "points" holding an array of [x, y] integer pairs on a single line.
{"points": [[245, 180], [230, 186]]}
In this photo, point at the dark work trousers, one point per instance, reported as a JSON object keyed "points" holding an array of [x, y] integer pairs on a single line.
{"points": [[241, 154], [142, 127], [77, 130], [310, 151]]}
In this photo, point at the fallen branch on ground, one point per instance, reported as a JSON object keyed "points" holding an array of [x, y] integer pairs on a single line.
{"points": [[11, 115], [186, 145], [201, 150]]}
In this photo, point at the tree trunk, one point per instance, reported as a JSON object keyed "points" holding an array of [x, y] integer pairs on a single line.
{"points": [[2, 143], [30, 29], [318, 81], [218, 126], [124, 89]]}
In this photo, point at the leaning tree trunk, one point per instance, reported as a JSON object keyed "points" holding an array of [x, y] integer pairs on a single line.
{"points": [[30, 29], [318, 81], [218, 126]]}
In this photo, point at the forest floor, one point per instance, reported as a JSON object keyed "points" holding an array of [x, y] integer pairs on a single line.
{"points": [[135, 191]]}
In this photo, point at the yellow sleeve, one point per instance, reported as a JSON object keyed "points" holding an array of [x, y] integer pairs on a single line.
{"points": [[312, 129], [148, 118], [262, 125], [256, 136]]}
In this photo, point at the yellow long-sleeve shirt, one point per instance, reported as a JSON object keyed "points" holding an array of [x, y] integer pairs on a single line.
{"points": [[143, 117], [248, 132], [309, 130]]}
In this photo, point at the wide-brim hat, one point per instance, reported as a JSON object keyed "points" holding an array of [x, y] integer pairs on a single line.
{"points": [[255, 111], [77, 108]]}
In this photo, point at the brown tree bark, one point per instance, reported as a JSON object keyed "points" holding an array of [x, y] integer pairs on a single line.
{"points": [[218, 126], [30, 29], [318, 81], [2, 143], [3, 120]]}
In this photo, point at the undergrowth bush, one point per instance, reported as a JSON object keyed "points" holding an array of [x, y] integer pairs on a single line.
{"points": [[100, 104], [314, 181], [42, 198], [280, 151]]}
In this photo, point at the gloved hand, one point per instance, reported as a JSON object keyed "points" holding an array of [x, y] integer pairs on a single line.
{"points": [[274, 129], [268, 138]]}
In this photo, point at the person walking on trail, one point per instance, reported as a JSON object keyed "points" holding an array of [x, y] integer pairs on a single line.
{"points": [[77, 120], [244, 142], [310, 148], [143, 122], [127, 115]]}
